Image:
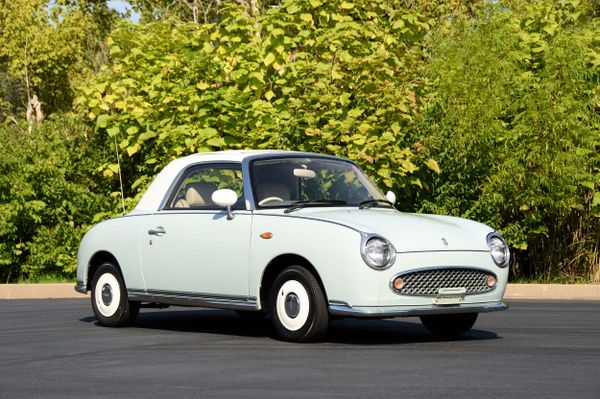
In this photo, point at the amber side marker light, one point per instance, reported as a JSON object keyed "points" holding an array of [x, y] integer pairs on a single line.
{"points": [[267, 235], [398, 283], [490, 281]]}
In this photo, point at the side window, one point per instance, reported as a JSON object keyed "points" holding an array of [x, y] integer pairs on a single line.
{"points": [[195, 188]]}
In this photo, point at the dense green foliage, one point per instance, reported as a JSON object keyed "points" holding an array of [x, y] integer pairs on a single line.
{"points": [[48, 196], [47, 50], [513, 119], [333, 79], [487, 110]]}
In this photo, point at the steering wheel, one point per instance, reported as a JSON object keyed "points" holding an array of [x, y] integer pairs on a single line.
{"points": [[269, 199]]}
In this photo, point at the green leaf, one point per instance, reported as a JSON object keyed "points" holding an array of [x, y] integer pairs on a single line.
{"points": [[102, 121], [292, 9], [353, 113], [433, 165], [133, 149], [215, 142], [112, 131], [269, 59], [307, 18], [596, 199]]}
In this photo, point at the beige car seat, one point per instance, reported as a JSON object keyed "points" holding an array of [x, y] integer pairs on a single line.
{"points": [[199, 194]]}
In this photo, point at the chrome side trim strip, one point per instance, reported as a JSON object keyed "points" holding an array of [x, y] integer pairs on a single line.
{"points": [[193, 299], [335, 308]]}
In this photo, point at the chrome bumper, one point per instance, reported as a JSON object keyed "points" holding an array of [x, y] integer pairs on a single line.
{"points": [[343, 309], [81, 287]]}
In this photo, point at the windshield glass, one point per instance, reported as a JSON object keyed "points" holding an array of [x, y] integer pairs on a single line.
{"points": [[285, 181]]}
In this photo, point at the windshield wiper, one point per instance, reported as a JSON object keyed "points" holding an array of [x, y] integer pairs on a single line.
{"points": [[374, 202], [320, 202]]}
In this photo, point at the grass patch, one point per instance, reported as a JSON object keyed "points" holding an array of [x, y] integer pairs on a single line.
{"points": [[47, 279]]}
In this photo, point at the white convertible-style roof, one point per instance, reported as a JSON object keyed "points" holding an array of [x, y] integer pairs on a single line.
{"points": [[153, 197]]}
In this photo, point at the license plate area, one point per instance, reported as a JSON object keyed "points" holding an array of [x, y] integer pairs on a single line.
{"points": [[449, 296]]}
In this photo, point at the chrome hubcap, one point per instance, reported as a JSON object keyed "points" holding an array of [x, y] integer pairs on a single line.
{"points": [[292, 305], [107, 295]]}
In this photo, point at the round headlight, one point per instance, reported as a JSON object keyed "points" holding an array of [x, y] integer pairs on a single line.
{"points": [[498, 249], [378, 253]]}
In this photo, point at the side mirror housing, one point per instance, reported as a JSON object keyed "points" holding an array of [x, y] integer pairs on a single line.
{"points": [[225, 198], [391, 197]]}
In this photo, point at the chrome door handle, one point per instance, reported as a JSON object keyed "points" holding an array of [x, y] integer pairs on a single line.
{"points": [[157, 231]]}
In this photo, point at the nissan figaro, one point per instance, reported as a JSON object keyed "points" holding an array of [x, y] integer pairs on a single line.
{"points": [[301, 237]]}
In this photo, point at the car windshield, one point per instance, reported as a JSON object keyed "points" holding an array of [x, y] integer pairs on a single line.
{"points": [[300, 182]]}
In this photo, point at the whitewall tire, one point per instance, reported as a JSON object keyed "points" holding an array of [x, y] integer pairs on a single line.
{"points": [[298, 306], [109, 297]]}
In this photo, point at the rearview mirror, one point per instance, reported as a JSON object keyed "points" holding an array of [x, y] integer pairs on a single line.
{"points": [[305, 173]]}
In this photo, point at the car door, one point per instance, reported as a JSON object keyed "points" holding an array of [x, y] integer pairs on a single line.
{"points": [[190, 248]]}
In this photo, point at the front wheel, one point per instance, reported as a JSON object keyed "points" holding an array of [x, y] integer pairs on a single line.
{"points": [[109, 298], [449, 325], [298, 306]]}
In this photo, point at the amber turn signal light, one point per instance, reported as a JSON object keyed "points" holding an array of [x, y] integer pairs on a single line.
{"points": [[398, 283], [266, 235]]}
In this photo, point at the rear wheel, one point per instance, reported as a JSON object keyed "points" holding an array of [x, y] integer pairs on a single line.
{"points": [[109, 298], [298, 306], [449, 325]]}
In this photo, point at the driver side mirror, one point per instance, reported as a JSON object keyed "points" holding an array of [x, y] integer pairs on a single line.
{"points": [[225, 198]]}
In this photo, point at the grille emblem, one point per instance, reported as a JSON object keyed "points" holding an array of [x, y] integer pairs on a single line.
{"points": [[444, 242]]}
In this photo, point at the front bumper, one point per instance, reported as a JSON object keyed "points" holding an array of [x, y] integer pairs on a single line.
{"points": [[343, 309], [81, 287]]}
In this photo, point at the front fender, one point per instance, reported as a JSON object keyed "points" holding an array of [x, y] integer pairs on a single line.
{"points": [[119, 237]]}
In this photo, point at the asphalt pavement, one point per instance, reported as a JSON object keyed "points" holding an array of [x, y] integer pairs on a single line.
{"points": [[55, 349]]}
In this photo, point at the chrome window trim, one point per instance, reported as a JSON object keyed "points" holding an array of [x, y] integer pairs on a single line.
{"points": [[247, 169], [176, 183]]}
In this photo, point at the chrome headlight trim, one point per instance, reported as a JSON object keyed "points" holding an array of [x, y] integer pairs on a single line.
{"points": [[499, 250], [368, 239]]}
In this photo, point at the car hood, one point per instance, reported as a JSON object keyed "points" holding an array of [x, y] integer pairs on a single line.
{"points": [[407, 231]]}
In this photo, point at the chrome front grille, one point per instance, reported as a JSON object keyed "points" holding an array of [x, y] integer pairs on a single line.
{"points": [[429, 281]]}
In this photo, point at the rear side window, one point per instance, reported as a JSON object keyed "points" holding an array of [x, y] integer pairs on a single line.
{"points": [[195, 188]]}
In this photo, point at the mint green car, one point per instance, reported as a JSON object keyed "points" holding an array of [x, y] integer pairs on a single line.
{"points": [[300, 237]]}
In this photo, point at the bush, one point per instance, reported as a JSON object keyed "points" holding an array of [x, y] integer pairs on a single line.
{"points": [[47, 197], [335, 77], [513, 119]]}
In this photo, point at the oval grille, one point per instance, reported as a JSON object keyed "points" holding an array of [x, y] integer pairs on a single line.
{"points": [[428, 282]]}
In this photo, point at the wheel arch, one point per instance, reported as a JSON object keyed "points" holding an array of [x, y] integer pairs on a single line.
{"points": [[96, 261], [276, 266]]}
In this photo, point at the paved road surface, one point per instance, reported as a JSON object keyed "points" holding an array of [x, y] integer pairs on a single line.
{"points": [[54, 349]]}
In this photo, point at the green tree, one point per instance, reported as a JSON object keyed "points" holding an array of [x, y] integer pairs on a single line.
{"points": [[513, 119], [48, 196], [198, 11], [45, 50], [333, 76]]}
